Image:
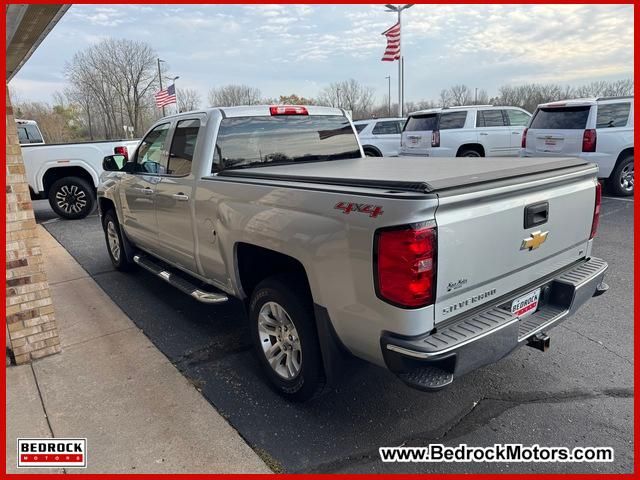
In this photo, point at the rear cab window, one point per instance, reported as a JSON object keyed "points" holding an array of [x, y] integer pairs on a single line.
{"points": [[613, 115], [561, 118], [182, 147], [246, 142]]}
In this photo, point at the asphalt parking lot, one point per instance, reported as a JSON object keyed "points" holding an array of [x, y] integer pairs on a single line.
{"points": [[579, 393]]}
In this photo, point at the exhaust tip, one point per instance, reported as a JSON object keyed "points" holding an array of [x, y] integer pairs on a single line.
{"points": [[540, 341]]}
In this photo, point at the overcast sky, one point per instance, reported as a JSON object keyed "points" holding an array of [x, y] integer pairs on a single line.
{"points": [[301, 48]]}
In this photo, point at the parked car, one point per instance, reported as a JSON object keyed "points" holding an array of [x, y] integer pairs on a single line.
{"points": [[599, 130], [428, 268], [466, 131], [29, 133], [380, 137], [67, 174]]}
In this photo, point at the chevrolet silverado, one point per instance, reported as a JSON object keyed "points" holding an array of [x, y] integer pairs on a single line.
{"points": [[430, 267]]}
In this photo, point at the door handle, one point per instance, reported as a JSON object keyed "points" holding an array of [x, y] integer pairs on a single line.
{"points": [[516, 133], [180, 197], [484, 133], [147, 191]]}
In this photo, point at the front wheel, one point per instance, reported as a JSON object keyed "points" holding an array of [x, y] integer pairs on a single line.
{"points": [[621, 181], [118, 245], [285, 339], [72, 198]]}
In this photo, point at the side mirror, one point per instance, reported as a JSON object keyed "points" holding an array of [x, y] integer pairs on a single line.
{"points": [[113, 163]]}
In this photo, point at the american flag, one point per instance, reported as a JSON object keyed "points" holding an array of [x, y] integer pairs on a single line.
{"points": [[166, 96], [392, 52]]}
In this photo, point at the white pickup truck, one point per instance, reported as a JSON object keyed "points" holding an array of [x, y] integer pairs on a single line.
{"points": [[66, 174], [428, 268]]}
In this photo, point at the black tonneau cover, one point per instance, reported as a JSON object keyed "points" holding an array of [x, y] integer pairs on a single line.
{"points": [[410, 174]]}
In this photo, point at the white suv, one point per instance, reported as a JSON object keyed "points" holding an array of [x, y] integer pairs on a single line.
{"points": [[597, 129], [380, 137], [465, 131]]}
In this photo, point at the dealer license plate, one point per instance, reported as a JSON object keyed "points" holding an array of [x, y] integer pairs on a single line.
{"points": [[526, 304]]}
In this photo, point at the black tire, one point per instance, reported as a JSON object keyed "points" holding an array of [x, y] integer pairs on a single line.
{"points": [[371, 152], [72, 198], [285, 291], [621, 181], [469, 152], [122, 257]]}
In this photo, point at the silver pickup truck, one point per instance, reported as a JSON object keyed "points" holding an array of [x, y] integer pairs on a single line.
{"points": [[430, 267]]}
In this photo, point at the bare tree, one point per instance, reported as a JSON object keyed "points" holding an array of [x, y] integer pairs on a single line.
{"points": [[460, 95], [294, 99], [119, 77], [350, 95], [234, 95], [445, 97], [188, 99]]}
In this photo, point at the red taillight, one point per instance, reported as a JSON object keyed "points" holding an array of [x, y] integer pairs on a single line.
{"points": [[435, 138], [596, 211], [405, 271], [288, 110], [121, 151], [524, 138], [589, 140]]}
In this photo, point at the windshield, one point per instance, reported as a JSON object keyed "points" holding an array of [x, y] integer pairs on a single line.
{"points": [[421, 123], [253, 141], [561, 118]]}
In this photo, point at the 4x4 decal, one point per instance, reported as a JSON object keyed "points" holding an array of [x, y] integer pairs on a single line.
{"points": [[372, 210]]}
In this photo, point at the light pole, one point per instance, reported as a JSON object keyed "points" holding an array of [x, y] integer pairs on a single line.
{"points": [[160, 79], [398, 9], [173, 79], [388, 77]]}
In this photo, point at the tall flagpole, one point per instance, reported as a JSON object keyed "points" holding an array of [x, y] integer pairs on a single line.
{"points": [[400, 77], [399, 9]]}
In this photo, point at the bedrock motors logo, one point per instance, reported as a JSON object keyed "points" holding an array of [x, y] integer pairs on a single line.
{"points": [[52, 452]]}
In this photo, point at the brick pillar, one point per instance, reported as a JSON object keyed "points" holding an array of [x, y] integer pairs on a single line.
{"points": [[31, 324]]}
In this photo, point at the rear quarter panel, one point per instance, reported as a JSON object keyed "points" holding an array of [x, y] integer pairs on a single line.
{"points": [[334, 248]]}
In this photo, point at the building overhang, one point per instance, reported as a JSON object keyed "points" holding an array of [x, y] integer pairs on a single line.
{"points": [[27, 27]]}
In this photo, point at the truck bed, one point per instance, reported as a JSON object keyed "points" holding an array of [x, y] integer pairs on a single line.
{"points": [[412, 174]]}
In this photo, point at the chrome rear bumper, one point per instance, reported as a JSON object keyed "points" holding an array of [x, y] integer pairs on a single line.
{"points": [[473, 340]]}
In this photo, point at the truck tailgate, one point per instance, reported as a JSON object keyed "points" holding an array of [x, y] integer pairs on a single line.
{"points": [[486, 250]]}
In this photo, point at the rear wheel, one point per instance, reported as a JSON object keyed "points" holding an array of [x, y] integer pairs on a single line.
{"points": [[284, 334], [371, 152], [72, 198], [621, 181], [469, 152]]}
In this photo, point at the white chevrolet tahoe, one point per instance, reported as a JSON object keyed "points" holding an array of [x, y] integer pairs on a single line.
{"points": [[428, 268], [380, 137], [599, 130], [466, 131]]}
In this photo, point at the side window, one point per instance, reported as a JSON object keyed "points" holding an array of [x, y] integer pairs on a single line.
{"points": [[360, 127], [451, 120], [182, 147], [150, 156], [518, 118], [386, 128], [23, 138], [613, 115], [490, 118], [34, 134]]}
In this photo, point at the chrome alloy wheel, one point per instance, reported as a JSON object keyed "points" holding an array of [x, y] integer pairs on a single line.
{"points": [[280, 341], [71, 199], [626, 178], [114, 240]]}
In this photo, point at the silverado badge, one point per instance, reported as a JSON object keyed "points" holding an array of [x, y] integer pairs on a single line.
{"points": [[537, 239]]}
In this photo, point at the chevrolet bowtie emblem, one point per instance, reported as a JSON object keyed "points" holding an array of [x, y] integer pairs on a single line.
{"points": [[537, 239]]}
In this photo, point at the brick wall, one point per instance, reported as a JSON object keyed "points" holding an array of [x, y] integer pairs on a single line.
{"points": [[31, 323]]}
